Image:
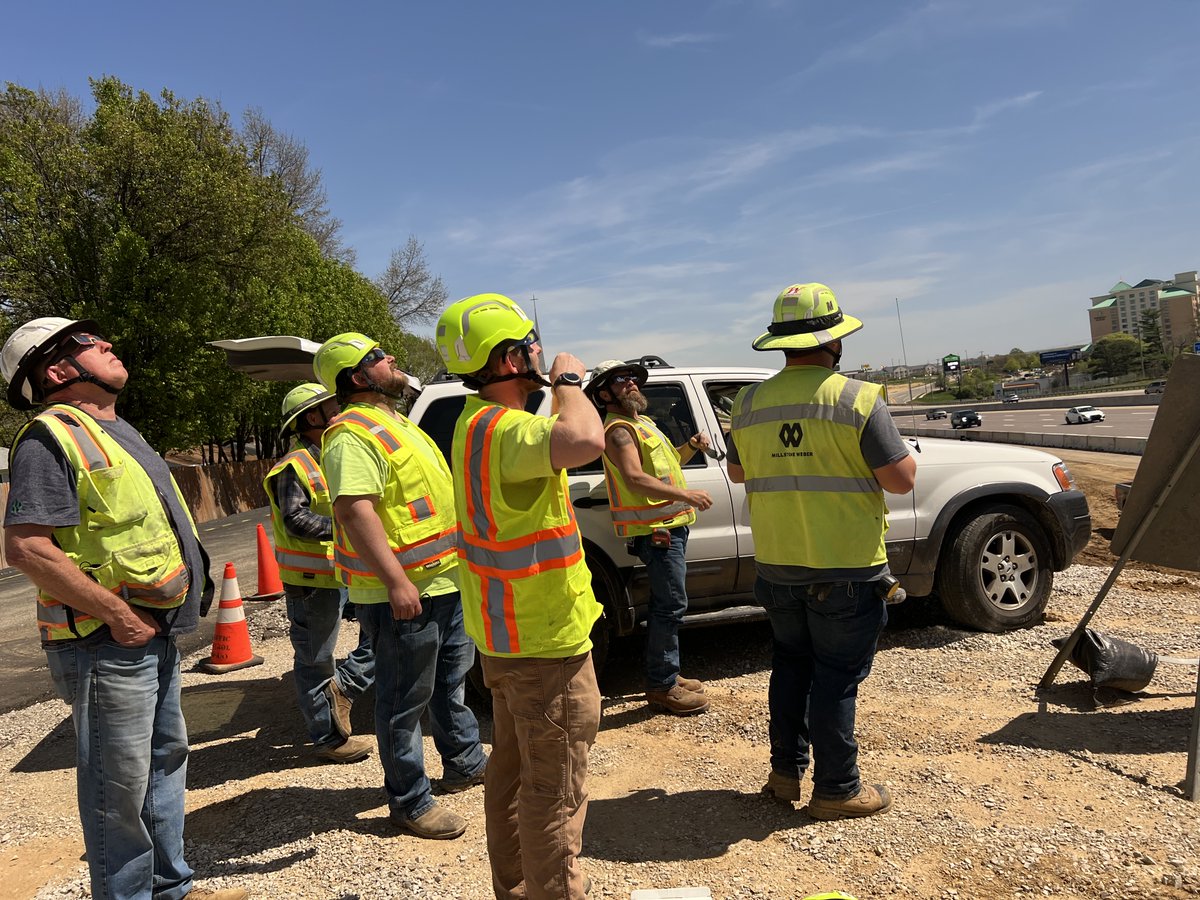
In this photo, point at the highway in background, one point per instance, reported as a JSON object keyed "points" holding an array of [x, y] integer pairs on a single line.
{"points": [[1119, 421]]}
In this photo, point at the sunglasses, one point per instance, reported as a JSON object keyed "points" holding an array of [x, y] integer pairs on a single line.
{"points": [[373, 357], [623, 379], [73, 342], [529, 340]]}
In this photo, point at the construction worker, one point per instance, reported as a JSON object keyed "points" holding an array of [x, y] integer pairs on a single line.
{"points": [[816, 451], [98, 524], [395, 547], [527, 594], [652, 506], [302, 523]]}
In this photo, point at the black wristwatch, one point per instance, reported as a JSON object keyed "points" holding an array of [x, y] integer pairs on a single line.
{"points": [[569, 379]]}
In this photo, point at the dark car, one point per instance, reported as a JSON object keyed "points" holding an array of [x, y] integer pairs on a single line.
{"points": [[965, 418], [936, 414]]}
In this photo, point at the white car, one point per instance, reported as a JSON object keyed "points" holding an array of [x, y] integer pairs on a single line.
{"points": [[1078, 415], [986, 527]]}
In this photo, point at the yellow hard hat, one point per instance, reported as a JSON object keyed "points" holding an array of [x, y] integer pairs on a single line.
{"points": [[300, 400], [470, 329], [806, 315], [342, 351]]}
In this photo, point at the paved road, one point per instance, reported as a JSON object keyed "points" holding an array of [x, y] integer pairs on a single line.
{"points": [[1119, 421], [23, 676]]}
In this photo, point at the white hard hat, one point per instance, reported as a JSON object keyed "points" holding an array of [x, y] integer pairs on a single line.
{"points": [[28, 347]]}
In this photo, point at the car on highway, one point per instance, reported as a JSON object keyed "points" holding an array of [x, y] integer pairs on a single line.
{"points": [[965, 418], [1012, 398], [1079, 415], [936, 414], [1156, 387]]}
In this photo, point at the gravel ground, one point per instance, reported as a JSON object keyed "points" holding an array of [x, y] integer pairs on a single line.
{"points": [[995, 795]]}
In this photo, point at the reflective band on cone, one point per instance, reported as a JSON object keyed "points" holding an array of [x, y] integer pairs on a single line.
{"points": [[231, 639], [270, 587]]}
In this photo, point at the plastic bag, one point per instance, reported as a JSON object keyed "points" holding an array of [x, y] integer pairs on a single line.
{"points": [[1112, 662]]}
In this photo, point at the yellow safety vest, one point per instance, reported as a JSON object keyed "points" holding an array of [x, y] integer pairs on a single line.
{"points": [[417, 506], [814, 501], [302, 561], [124, 541], [526, 591], [634, 513]]}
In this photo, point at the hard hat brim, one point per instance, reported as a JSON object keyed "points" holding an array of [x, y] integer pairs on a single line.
{"points": [[16, 399], [769, 341], [594, 386]]}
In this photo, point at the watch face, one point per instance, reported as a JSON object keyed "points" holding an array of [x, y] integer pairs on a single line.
{"points": [[568, 378]]}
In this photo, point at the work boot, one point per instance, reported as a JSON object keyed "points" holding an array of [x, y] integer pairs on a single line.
{"points": [[783, 787], [458, 785], [219, 894], [339, 708], [871, 800], [695, 685], [436, 823], [678, 701], [350, 750]]}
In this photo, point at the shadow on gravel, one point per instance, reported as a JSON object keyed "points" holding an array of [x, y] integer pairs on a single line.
{"points": [[1126, 731], [55, 751], [706, 824], [282, 816]]}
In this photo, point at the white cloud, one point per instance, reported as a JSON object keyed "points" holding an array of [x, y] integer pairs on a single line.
{"points": [[667, 41]]}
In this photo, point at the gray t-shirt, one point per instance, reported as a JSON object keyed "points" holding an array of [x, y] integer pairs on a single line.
{"points": [[43, 492], [881, 445]]}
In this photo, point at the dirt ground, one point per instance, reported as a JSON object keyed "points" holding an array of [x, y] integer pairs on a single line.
{"points": [[999, 793]]}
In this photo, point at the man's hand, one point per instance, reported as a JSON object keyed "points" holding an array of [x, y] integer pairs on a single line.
{"points": [[701, 442], [565, 362], [701, 500], [405, 601], [136, 629]]}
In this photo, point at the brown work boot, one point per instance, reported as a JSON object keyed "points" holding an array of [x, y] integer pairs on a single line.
{"points": [[678, 701], [871, 800], [350, 750], [436, 823], [695, 685], [783, 787], [339, 708], [220, 894]]}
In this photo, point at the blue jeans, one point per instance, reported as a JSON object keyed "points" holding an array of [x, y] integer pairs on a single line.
{"points": [[131, 750], [666, 568], [422, 662], [315, 615], [823, 650]]}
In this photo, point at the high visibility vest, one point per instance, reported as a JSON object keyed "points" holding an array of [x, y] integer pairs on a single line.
{"points": [[814, 501], [302, 561], [417, 505], [124, 540], [634, 513], [526, 589]]}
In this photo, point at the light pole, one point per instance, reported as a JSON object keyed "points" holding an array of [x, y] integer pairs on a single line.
{"points": [[904, 350]]}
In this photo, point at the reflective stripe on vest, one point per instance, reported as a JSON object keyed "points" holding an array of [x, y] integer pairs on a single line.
{"points": [[124, 540], [814, 500], [634, 513], [302, 561], [503, 565], [422, 531]]}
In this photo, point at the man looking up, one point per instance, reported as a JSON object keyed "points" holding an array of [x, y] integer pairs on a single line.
{"points": [[816, 451], [98, 524], [652, 505], [527, 592], [302, 523], [395, 547]]}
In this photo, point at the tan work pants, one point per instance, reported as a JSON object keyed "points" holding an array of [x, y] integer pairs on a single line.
{"points": [[546, 713]]}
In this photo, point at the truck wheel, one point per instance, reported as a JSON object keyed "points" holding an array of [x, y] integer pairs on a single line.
{"points": [[997, 572]]}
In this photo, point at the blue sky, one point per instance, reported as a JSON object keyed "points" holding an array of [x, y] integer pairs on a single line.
{"points": [[656, 172]]}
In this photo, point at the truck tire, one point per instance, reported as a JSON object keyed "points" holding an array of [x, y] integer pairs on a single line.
{"points": [[996, 573], [602, 587]]}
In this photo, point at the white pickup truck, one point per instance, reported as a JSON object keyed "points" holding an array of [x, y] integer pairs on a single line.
{"points": [[986, 527]]}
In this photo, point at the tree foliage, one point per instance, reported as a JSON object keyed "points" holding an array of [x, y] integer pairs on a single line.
{"points": [[154, 217], [1115, 355], [412, 291]]}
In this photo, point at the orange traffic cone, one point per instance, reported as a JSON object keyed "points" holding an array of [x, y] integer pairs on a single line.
{"points": [[269, 585], [231, 641]]}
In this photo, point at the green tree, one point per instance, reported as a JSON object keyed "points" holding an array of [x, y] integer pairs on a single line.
{"points": [[1115, 355]]}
